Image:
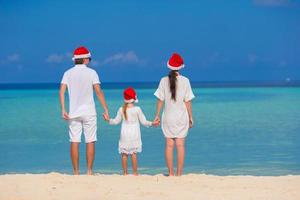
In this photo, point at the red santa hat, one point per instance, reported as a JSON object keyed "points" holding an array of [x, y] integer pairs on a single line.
{"points": [[81, 52], [130, 95], [175, 62]]}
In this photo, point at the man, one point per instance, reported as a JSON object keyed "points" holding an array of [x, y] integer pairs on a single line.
{"points": [[80, 81]]}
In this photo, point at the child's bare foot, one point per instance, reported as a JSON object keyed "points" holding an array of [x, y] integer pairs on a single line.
{"points": [[89, 172], [125, 174], [76, 172]]}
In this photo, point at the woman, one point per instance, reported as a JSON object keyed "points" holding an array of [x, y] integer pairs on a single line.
{"points": [[175, 90]]}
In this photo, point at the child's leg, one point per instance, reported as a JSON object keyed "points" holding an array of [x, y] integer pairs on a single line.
{"points": [[180, 155], [124, 163], [169, 155], [134, 163]]}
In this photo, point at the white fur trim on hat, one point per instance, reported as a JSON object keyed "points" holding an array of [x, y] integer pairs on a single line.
{"points": [[88, 55], [131, 101], [175, 68]]}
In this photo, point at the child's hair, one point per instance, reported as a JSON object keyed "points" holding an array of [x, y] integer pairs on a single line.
{"points": [[172, 81], [124, 110]]}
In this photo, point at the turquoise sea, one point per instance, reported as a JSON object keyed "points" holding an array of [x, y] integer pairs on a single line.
{"points": [[239, 130]]}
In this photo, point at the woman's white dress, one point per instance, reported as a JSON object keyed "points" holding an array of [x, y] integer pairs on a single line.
{"points": [[175, 119], [130, 138]]}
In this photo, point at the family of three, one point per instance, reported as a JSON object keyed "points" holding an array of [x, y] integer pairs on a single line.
{"points": [[174, 94]]}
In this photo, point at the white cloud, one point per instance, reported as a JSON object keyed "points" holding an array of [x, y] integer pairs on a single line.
{"points": [[94, 63], [13, 58], [282, 63], [272, 2], [214, 58], [129, 57], [58, 58], [252, 58]]}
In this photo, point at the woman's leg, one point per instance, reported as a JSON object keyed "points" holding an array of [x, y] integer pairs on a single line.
{"points": [[134, 164], [169, 155], [180, 154], [124, 163]]}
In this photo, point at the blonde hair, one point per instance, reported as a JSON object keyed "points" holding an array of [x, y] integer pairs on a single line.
{"points": [[125, 110]]}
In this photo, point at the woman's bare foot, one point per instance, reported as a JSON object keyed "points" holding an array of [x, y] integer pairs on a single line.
{"points": [[135, 174]]}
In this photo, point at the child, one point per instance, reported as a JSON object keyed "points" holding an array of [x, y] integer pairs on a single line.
{"points": [[130, 142]]}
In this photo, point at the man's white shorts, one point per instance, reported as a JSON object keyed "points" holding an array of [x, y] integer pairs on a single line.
{"points": [[86, 123]]}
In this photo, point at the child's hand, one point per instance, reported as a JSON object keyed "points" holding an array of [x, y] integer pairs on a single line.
{"points": [[156, 122]]}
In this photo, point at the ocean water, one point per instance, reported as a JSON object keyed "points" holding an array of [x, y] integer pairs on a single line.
{"points": [[238, 131]]}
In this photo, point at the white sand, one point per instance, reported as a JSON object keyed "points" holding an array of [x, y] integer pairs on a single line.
{"points": [[101, 187]]}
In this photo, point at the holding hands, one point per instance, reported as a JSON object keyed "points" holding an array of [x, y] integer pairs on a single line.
{"points": [[156, 121], [105, 115]]}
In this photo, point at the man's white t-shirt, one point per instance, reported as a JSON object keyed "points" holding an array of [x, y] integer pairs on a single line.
{"points": [[80, 80]]}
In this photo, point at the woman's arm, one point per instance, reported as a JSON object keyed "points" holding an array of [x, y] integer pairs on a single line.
{"points": [[101, 98], [62, 91], [190, 113], [159, 106]]}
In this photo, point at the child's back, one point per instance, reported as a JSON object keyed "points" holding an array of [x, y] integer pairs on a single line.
{"points": [[130, 137]]}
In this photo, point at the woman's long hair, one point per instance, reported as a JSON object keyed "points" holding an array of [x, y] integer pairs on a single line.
{"points": [[125, 110], [172, 80]]}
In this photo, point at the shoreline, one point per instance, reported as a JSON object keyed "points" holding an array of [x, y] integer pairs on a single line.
{"points": [[114, 186]]}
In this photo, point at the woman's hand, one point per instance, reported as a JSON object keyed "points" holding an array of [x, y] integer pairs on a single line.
{"points": [[156, 121], [191, 122]]}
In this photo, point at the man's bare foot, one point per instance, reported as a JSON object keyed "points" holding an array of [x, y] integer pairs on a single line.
{"points": [[125, 174], [135, 174], [76, 172]]}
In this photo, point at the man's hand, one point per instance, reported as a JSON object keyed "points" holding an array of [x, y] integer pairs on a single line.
{"points": [[106, 115], [65, 115]]}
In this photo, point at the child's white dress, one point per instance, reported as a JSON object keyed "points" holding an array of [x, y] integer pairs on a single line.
{"points": [[175, 119], [130, 138]]}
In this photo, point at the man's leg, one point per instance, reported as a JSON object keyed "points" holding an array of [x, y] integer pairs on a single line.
{"points": [[75, 130], [90, 156], [169, 155], [74, 150], [90, 133]]}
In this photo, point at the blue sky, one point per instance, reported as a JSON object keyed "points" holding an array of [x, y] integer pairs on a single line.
{"points": [[132, 40]]}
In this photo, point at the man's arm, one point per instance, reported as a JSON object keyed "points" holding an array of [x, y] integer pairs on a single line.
{"points": [[62, 91], [101, 98]]}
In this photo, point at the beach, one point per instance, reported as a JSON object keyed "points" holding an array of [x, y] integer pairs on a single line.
{"points": [[56, 186]]}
